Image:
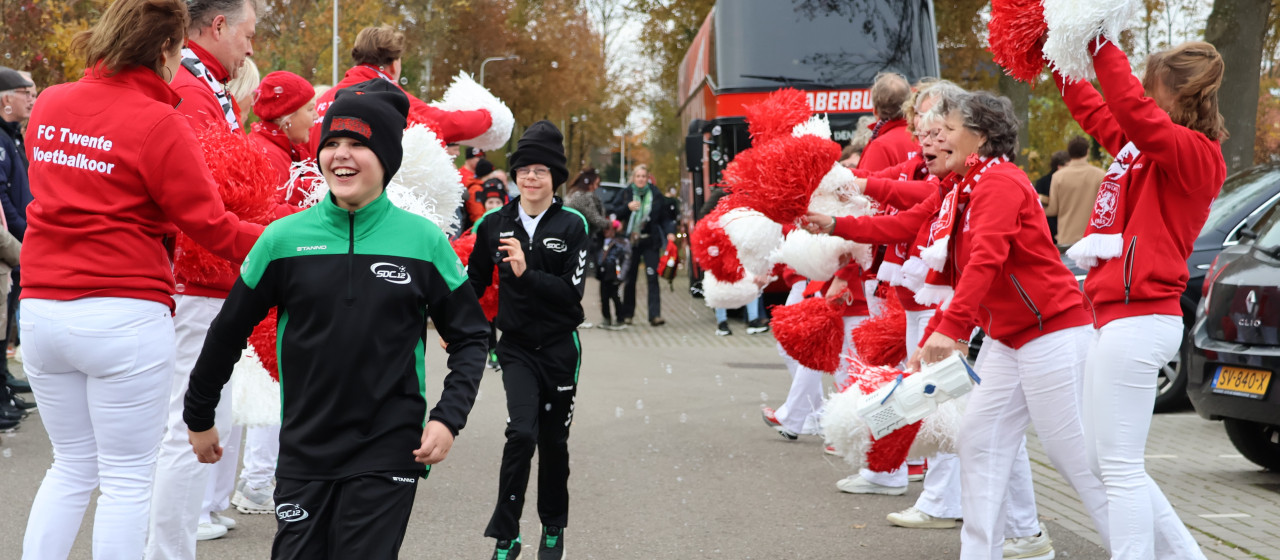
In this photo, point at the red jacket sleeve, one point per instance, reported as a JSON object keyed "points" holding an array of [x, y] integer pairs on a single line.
{"points": [[187, 194], [882, 230], [1091, 113], [900, 194], [452, 126], [1143, 122], [993, 217]]}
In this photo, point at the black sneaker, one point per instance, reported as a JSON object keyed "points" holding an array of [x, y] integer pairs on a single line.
{"points": [[723, 329], [552, 545], [507, 550], [19, 385], [757, 326], [21, 403]]}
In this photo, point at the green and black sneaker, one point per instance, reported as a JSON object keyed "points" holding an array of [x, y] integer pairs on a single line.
{"points": [[507, 550], [493, 361], [552, 545]]}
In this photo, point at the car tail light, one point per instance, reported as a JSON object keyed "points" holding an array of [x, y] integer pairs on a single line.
{"points": [[1206, 289]]}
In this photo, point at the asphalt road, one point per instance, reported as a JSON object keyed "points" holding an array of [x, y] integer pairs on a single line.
{"points": [[670, 460]]}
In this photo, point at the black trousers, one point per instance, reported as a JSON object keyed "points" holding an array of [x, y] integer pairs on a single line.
{"points": [[541, 384], [646, 249], [608, 297], [363, 516]]}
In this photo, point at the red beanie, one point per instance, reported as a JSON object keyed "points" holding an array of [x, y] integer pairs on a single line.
{"points": [[281, 93]]}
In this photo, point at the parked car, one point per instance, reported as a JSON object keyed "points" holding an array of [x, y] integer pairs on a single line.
{"points": [[1235, 359], [610, 193], [1244, 198]]}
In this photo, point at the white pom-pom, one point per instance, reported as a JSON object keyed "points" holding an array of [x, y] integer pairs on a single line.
{"points": [[255, 397], [728, 295], [817, 125], [935, 255], [427, 184], [1094, 247], [933, 294], [844, 429], [757, 239], [1074, 24], [466, 95], [914, 273], [940, 431], [816, 257]]}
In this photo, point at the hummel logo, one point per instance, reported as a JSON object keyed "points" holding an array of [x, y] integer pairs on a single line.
{"points": [[313, 248], [290, 513], [582, 264], [392, 273], [563, 389], [507, 233]]}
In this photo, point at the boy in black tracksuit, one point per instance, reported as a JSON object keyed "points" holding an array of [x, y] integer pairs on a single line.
{"points": [[353, 279], [540, 249]]}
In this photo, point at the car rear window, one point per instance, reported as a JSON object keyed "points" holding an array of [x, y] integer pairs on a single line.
{"points": [[1240, 191]]}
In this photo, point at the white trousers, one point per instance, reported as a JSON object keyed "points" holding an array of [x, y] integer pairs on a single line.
{"points": [[1120, 390], [100, 369], [181, 481], [261, 452], [1041, 384], [800, 413]]}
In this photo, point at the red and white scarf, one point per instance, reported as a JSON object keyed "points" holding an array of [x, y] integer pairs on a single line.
{"points": [[895, 256], [939, 284], [1104, 238]]}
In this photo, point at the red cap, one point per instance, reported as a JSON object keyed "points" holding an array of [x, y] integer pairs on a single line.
{"points": [[281, 93]]}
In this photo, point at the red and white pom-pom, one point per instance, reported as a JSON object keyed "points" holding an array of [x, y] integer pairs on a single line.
{"points": [[463, 246], [815, 256], [714, 250], [248, 189], [255, 396], [779, 177], [817, 125], [889, 452], [940, 431], [1073, 25], [467, 95], [881, 340], [427, 184], [306, 185], [728, 295], [757, 239], [263, 342], [777, 115], [810, 331], [1016, 34], [844, 429]]}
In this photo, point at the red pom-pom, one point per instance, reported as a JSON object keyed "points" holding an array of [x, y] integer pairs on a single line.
{"points": [[247, 185], [713, 250], [777, 115], [778, 178], [810, 331], [463, 246], [889, 452], [881, 340], [1016, 35], [263, 341]]}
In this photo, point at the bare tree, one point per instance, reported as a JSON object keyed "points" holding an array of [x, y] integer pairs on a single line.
{"points": [[1238, 29]]}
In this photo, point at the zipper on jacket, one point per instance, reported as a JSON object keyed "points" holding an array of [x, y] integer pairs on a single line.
{"points": [[351, 257], [1027, 300], [1129, 257]]}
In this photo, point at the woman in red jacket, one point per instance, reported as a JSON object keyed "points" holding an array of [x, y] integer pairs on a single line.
{"points": [[1166, 132], [998, 268], [116, 173], [285, 105]]}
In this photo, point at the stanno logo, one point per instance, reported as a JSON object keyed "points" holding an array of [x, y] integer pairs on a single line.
{"points": [[554, 244], [393, 273], [290, 513], [403, 479], [313, 248]]}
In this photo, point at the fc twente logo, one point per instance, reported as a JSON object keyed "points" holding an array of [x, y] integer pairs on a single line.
{"points": [[392, 273], [1108, 201]]}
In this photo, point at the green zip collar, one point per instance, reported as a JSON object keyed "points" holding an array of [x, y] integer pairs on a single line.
{"points": [[336, 218]]}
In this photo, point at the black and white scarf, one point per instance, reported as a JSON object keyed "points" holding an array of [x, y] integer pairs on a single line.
{"points": [[192, 63]]}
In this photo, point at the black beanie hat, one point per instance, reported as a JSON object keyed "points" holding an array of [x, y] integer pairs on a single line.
{"points": [[542, 143], [483, 167], [493, 188], [373, 112]]}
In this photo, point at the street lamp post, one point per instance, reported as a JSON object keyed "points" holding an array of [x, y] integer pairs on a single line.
{"points": [[335, 42], [494, 59]]}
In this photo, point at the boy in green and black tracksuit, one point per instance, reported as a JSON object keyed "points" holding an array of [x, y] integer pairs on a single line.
{"points": [[540, 249], [354, 284]]}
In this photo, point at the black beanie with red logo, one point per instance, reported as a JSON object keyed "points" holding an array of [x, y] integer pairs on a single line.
{"points": [[374, 113]]}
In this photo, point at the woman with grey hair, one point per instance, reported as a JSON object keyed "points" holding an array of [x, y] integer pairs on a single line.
{"points": [[994, 265]]}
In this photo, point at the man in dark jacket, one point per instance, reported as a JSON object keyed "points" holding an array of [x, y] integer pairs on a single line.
{"points": [[539, 247], [646, 218], [17, 98]]}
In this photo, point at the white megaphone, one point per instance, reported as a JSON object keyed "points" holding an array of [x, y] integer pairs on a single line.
{"points": [[910, 399]]}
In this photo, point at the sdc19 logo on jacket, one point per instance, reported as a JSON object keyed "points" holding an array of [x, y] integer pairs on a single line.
{"points": [[390, 272], [290, 513]]}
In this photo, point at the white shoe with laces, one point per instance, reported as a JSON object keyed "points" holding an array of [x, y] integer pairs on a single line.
{"points": [[913, 518], [1037, 547], [254, 500], [210, 531], [855, 484], [219, 519]]}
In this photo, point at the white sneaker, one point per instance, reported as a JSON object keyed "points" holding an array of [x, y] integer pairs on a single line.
{"points": [[913, 518], [855, 484], [219, 519], [210, 531], [1038, 547], [254, 500]]}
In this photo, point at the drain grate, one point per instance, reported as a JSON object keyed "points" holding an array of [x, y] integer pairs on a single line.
{"points": [[755, 365]]}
